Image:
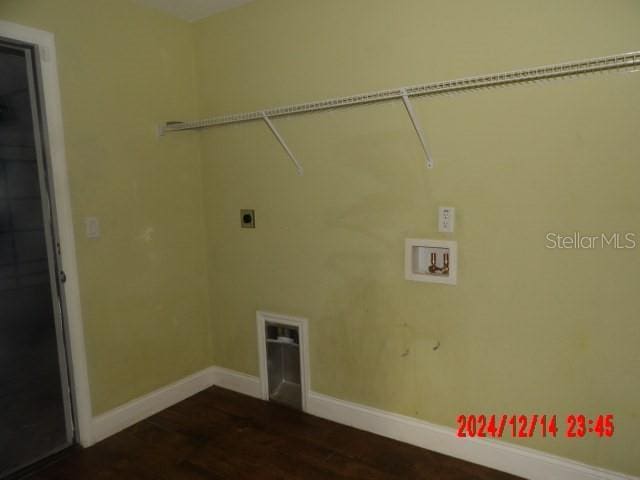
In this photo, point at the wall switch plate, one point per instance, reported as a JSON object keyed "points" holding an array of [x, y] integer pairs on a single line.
{"points": [[247, 218], [92, 226], [446, 219]]}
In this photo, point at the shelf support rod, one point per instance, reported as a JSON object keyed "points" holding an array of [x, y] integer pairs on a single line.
{"points": [[273, 129], [418, 128]]}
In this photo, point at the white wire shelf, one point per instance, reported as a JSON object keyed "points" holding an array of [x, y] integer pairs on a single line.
{"points": [[546, 72]]}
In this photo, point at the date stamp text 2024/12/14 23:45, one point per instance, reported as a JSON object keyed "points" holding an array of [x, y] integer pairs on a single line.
{"points": [[526, 426]]}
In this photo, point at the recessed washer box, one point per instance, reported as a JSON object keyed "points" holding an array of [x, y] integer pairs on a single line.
{"points": [[433, 261]]}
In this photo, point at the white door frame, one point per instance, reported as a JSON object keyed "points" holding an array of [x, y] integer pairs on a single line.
{"points": [[44, 43]]}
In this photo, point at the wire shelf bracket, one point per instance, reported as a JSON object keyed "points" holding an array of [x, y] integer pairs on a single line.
{"points": [[275, 132], [417, 127], [625, 61]]}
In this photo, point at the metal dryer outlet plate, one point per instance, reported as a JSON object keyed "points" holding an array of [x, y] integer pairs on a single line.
{"points": [[247, 218]]}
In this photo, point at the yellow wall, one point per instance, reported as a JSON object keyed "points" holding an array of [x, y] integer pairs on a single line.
{"points": [[123, 69], [527, 329]]}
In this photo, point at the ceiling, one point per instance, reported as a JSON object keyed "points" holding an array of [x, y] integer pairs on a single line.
{"points": [[192, 10]]}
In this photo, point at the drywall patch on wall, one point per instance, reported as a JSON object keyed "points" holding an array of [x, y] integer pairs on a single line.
{"points": [[146, 235]]}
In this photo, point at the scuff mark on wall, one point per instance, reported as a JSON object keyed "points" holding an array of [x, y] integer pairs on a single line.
{"points": [[147, 235]]}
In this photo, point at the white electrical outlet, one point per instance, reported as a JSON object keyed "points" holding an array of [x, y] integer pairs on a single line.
{"points": [[446, 219], [92, 226]]}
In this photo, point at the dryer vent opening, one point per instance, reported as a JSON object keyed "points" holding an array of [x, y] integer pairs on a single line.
{"points": [[283, 356], [283, 364]]}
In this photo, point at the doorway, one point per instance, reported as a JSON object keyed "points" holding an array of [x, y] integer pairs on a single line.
{"points": [[36, 418]]}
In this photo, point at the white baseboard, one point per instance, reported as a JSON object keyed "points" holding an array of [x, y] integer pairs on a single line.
{"points": [[236, 381], [517, 460], [520, 461], [124, 416]]}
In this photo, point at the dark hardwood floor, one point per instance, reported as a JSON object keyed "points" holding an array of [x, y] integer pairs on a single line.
{"points": [[219, 434]]}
